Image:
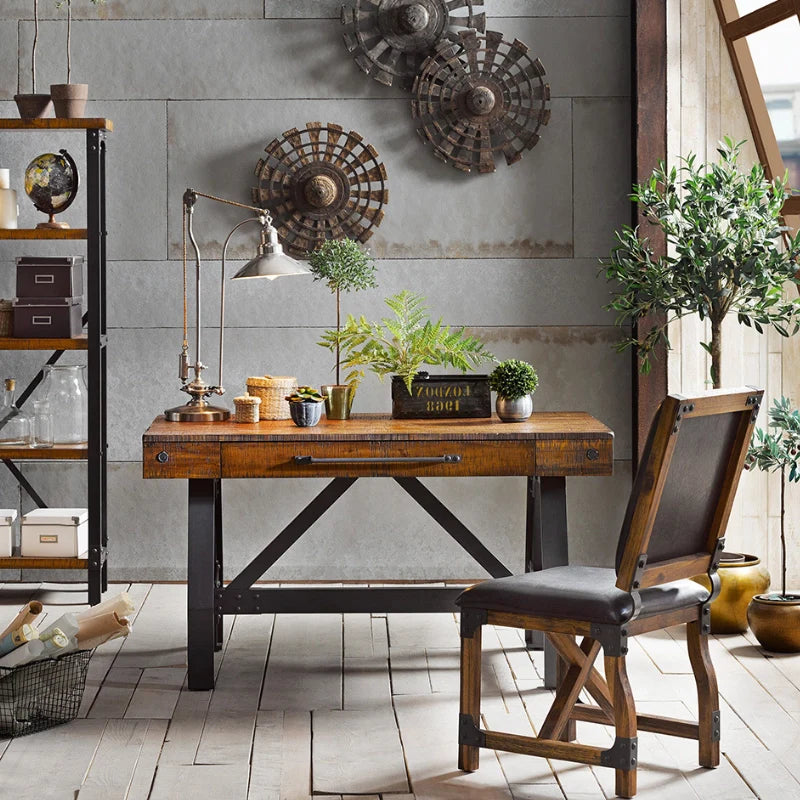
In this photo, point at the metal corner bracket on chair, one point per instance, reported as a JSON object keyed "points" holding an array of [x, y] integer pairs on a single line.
{"points": [[612, 638], [469, 733], [471, 620], [622, 755]]}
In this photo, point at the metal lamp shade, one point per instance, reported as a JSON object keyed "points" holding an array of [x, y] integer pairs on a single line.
{"points": [[271, 262]]}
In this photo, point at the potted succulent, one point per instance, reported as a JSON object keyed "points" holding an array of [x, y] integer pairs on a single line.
{"points": [[33, 105], [401, 345], [775, 617], [305, 406], [725, 255], [70, 98], [514, 381], [345, 267]]}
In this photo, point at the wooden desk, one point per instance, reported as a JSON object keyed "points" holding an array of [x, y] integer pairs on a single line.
{"points": [[546, 449]]}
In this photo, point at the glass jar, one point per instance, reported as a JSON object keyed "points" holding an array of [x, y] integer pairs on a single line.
{"points": [[15, 425], [65, 389], [42, 434]]}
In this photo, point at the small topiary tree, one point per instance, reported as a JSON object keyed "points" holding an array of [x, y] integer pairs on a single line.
{"points": [[345, 267], [513, 379], [724, 254]]}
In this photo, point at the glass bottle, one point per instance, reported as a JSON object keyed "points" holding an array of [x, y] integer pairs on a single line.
{"points": [[9, 210], [15, 425], [42, 433], [65, 389]]}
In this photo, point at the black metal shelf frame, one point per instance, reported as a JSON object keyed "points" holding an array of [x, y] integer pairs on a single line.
{"points": [[95, 320]]}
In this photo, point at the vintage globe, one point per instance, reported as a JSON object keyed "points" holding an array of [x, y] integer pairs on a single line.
{"points": [[51, 182]]}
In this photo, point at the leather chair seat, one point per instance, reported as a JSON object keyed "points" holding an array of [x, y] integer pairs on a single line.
{"points": [[580, 593]]}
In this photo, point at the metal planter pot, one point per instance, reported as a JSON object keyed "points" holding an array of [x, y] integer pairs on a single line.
{"points": [[338, 400], [514, 410]]}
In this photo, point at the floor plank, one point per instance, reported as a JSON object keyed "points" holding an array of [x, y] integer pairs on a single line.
{"points": [[144, 774], [115, 693], [156, 694], [176, 782]]}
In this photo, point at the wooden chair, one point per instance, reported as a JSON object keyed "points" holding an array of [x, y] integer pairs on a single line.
{"points": [[673, 528]]}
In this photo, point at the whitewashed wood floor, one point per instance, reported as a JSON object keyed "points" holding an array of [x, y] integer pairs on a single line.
{"points": [[337, 707]]}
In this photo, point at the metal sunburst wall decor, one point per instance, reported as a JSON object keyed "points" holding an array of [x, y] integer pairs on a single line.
{"points": [[319, 183], [390, 39], [478, 97]]}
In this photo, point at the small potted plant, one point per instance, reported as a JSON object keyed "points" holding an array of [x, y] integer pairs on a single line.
{"points": [[70, 98], [305, 406], [775, 617], [345, 267], [33, 105], [401, 345], [514, 381]]}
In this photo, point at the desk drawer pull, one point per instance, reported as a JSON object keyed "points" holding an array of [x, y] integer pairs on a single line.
{"points": [[592, 454], [446, 459]]}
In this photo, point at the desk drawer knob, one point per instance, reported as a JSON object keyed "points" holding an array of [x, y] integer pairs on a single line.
{"points": [[592, 454], [162, 457]]}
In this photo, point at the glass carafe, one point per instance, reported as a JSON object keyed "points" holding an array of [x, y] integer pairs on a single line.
{"points": [[65, 389], [15, 425]]}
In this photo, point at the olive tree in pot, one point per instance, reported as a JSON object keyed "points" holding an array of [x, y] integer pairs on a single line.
{"points": [[725, 255], [33, 105], [70, 98], [514, 381], [345, 267], [775, 617]]}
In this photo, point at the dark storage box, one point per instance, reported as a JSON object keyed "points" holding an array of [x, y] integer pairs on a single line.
{"points": [[442, 397], [47, 318], [50, 277]]}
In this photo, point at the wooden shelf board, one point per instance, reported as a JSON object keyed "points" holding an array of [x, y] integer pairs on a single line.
{"points": [[10, 343], [75, 452], [44, 234], [82, 124], [23, 562]]}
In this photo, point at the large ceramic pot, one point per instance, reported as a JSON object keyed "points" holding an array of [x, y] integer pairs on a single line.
{"points": [[742, 576], [514, 410], [338, 400], [775, 621]]}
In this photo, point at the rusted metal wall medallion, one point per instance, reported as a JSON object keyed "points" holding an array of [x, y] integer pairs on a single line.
{"points": [[319, 183]]}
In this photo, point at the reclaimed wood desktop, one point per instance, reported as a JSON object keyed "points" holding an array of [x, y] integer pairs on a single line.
{"points": [[546, 449]]}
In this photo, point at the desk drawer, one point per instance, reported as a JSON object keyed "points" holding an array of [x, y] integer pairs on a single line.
{"points": [[574, 456], [431, 458], [181, 460]]}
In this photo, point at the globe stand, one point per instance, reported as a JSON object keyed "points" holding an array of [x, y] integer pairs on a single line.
{"points": [[53, 223]]}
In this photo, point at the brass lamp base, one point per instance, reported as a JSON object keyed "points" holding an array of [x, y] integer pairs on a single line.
{"points": [[197, 412]]}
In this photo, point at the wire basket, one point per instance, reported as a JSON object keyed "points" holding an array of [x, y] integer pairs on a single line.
{"points": [[42, 694], [272, 390]]}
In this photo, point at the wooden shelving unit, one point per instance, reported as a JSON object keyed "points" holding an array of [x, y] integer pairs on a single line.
{"points": [[93, 341]]}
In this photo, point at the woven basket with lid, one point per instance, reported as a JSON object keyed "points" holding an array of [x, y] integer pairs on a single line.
{"points": [[272, 390]]}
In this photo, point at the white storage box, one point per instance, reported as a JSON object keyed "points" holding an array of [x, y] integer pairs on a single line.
{"points": [[55, 533], [8, 516]]}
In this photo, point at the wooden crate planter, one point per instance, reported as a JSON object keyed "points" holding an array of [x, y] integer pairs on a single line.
{"points": [[442, 397]]}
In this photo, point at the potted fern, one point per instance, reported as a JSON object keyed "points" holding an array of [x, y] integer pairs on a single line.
{"points": [[514, 381], [33, 105], [70, 98], [401, 346], [345, 267], [775, 617], [725, 255]]}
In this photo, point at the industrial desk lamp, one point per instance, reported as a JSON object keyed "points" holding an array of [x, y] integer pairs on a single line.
{"points": [[271, 262]]}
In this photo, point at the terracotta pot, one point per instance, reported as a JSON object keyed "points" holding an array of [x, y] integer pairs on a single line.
{"points": [[34, 106], [776, 622], [338, 400], [742, 576], [69, 99]]}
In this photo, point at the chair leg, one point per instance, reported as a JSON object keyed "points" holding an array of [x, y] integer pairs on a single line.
{"points": [[624, 719], [707, 694], [569, 734], [468, 755]]}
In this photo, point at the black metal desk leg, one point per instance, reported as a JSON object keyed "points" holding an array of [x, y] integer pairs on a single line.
{"points": [[218, 559], [200, 623], [549, 537], [533, 639]]}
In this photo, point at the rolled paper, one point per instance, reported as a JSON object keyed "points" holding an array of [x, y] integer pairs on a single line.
{"points": [[100, 628], [22, 655], [17, 638], [67, 624], [89, 644], [27, 614], [122, 605], [55, 645]]}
